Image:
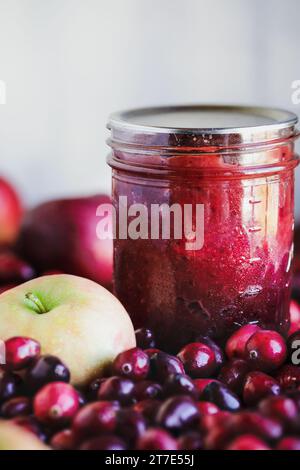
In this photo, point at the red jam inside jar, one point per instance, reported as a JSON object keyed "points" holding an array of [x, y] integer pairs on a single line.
{"points": [[237, 163]]}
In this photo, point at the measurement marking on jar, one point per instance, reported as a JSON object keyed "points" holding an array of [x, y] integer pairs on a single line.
{"points": [[254, 201], [256, 228], [254, 260]]}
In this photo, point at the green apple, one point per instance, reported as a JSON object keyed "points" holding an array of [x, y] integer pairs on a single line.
{"points": [[13, 437], [73, 318]]}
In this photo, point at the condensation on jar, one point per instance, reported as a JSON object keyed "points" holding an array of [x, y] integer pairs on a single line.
{"points": [[237, 164]]}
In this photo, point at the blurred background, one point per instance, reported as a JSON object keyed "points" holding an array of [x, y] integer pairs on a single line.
{"points": [[68, 64]]}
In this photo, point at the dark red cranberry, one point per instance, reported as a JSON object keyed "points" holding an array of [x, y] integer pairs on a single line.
{"points": [[148, 408], [133, 364], [288, 377], [82, 399], [95, 418], [156, 439], [236, 344], [151, 351], [107, 443], [198, 359], [131, 425], [144, 338], [56, 404], [93, 389], [30, 423], [221, 396], [233, 374], [147, 389], [293, 345], [213, 421], [64, 440], [163, 365], [207, 408], [20, 352], [201, 384], [180, 384], [219, 355], [266, 350], [19, 406], [46, 369], [259, 385], [289, 443], [190, 441], [10, 386], [281, 408], [118, 389], [247, 442], [14, 269], [177, 414]]}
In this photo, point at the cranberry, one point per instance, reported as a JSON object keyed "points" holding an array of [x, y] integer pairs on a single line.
{"points": [[289, 443], [148, 408], [144, 338], [156, 439], [147, 389], [180, 384], [82, 399], [281, 408], [247, 442], [266, 350], [219, 355], [200, 384], [295, 313], [107, 443], [95, 418], [117, 389], [10, 386], [133, 364], [233, 374], [93, 389], [288, 377], [190, 441], [207, 408], [14, 269], [64, 440], [178, 414], [236, 344], [293, 344], [163, 365], [20, 406], [131, 425], [56, 403], [198, 359], [20, 352], [46, 369], [213, 421], [221, 396], [258, 386]]}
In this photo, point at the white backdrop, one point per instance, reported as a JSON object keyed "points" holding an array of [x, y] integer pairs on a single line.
{"points": [[68, 63]]}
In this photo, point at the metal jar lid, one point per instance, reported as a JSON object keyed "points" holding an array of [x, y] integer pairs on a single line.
{"points": [[201, 126]]}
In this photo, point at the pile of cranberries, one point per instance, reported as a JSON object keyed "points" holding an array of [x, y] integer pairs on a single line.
{"points": [[245, 396]]}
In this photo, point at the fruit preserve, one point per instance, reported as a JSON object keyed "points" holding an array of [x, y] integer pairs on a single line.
{"points": [[204, 199]]}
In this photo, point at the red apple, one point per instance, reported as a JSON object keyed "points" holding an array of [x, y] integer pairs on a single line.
{"points": [[61, 235], [10, 213]]}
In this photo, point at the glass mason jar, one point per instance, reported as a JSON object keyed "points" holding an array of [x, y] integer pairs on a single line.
{"points": [[230, 172]]}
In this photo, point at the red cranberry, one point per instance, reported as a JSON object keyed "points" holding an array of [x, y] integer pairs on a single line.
{"points": [[10, 386], [180, 384], [198, 359], [56, 403], [95, 418], [163, 365], [207, 408], [14, 269], [144, 338], [131, 425], [46, 369], [295, 313], [147, 389], [178, 414], [247, 442], [20, 352], [107, 443], [281, 408], [213, 421], [221, 396], [236, 344], [201, 384], [148, 408], [266, 350], [289, 443], [64, 440], [20, 406], [219, 355], [133, 364], [156, 439], [93, 389], [151, 351], [233, 374], [190, 441], [258, 386], [117, 389], [288, 377]]}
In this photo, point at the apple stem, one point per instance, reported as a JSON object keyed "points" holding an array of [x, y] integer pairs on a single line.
{"points": [[34, 303]]}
